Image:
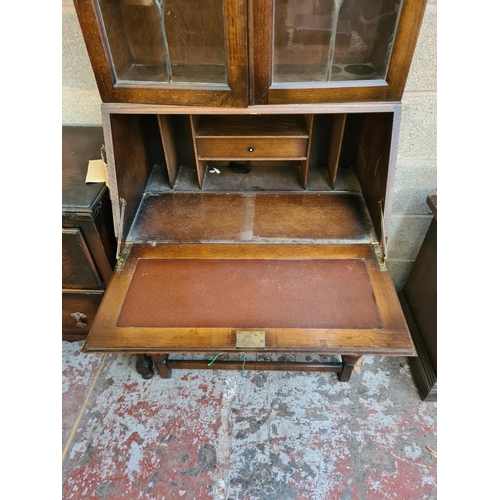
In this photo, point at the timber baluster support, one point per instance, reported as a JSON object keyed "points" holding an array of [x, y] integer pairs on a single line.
{"points": [[144, 366], [161, 362], [348, 363]]}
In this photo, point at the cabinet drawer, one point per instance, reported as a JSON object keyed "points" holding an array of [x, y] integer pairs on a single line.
{"points": [[251, 148], [78, 312], [78, 267]]}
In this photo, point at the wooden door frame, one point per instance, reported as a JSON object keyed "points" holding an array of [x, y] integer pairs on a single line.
{"points": [[390, 89], [235, 95]]}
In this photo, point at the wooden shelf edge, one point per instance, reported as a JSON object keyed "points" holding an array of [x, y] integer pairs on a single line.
{"points": [[239, 158], [349, 342]]}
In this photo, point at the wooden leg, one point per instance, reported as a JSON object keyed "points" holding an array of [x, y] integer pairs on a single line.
{"points": [[144, 366], [348, 363], [161, 362]]}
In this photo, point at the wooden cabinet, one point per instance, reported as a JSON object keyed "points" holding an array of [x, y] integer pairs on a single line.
{"points": [[419, 301], [251, 157], [215, 252], [249, 52], [79, 308], [251, 138], [168, 51], [332, 51], [88, 243]]}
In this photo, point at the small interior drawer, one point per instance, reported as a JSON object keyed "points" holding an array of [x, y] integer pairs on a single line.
{"points": [[251, 148]]}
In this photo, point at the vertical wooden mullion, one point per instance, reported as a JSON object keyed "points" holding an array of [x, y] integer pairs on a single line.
{"points": [[404, 47], [235, 15], [262, 17], [251, 57]]}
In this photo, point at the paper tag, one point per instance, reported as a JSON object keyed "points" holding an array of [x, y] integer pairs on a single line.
{"points": [[97, 172]]}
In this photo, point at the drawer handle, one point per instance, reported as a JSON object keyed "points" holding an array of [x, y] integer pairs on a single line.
{"points": [[250, 149], [79, 316]]}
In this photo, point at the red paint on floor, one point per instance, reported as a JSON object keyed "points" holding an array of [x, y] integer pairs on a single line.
{"points": [[245, 435]]}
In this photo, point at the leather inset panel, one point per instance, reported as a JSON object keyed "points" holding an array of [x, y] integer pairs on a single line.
{"points": [[248, 293]]}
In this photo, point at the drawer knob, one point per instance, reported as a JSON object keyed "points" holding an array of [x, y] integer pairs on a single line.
{"points": [[79, 316], [250, 148]]}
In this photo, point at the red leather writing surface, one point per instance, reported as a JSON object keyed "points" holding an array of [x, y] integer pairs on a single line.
{"points": [[244, 293]]}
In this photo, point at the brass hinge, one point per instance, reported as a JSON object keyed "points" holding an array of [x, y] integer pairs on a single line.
{"points": [[381, 258], [122, 257], [122, 254], [103, 155], [123, 204], [380, 248]]}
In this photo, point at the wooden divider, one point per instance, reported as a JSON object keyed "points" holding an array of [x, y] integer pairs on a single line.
{"points": [[337, 134], [201, 165], [169, 147], [304, 165]]}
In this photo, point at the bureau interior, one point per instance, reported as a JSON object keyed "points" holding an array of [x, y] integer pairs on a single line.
{"points": [[250, 178], [288, 245]]}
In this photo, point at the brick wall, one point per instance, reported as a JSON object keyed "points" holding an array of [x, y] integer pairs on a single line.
{"points": [[416, 175]]}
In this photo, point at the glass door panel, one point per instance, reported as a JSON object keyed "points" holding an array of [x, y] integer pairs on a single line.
{"points": [[166, 41], [333, 40], [197, 44]]}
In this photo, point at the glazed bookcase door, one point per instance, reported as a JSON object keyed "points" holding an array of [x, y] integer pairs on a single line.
{"points": [[333, 50], [168, 51]]}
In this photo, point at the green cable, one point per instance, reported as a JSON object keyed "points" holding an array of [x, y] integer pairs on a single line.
{"points": [[213, 360], [242, 366]]}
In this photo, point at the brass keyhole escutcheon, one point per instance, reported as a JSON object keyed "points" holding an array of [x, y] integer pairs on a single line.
{"points": [[79, 317], [250, 149], [250, 339]]}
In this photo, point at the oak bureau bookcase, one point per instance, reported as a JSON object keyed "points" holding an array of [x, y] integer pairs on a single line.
{"points": [[251, 150]]}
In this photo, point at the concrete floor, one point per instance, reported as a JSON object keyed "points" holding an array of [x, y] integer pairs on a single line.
{"points": [[244, 434]]}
